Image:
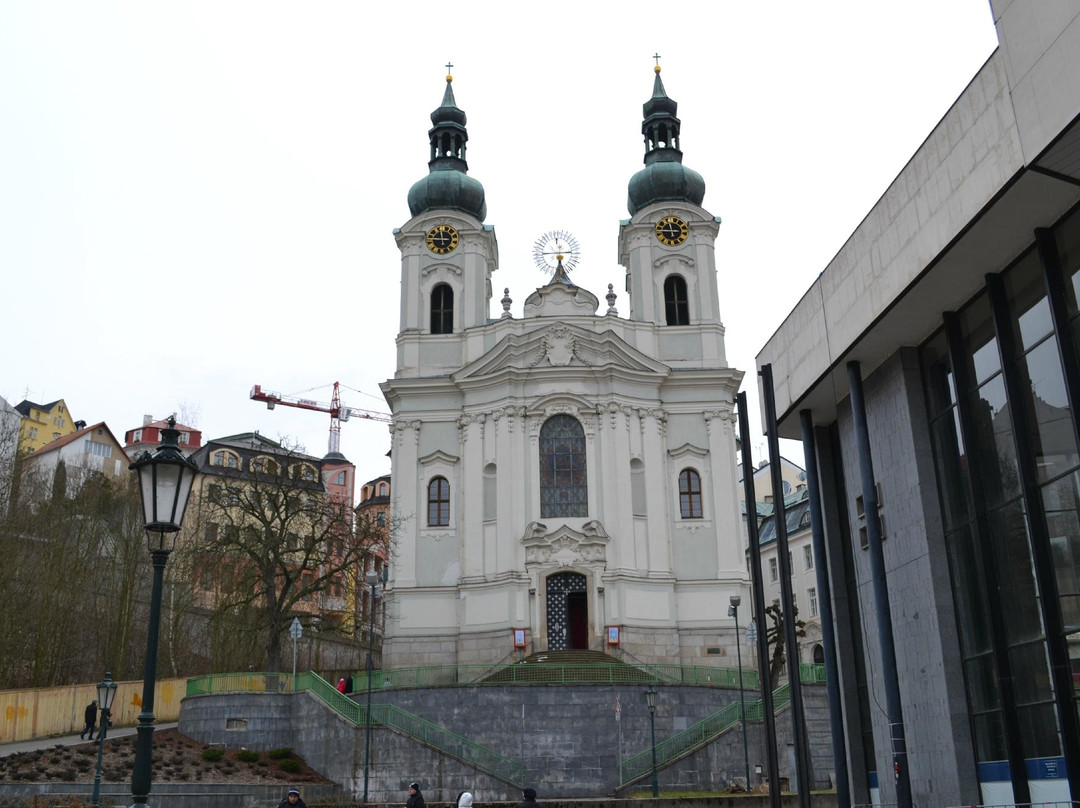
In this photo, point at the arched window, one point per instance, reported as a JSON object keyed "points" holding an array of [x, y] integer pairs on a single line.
{"points": [[690, 494], [438, 502], [675, 301], [564, 489], [442, 309]]}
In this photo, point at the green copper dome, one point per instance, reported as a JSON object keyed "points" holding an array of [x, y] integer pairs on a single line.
{"points": [[447, 185], [664, 177]]}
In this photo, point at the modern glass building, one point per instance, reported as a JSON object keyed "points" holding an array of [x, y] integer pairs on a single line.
{"points": [[933, 372]]}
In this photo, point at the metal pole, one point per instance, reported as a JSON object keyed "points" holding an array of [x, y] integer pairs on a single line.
{"points": [[652, 729], [294, 664], [828, 631], [370, 671], [144, 741], [768, 717], [100, 752], [787, 599], [742, 703]]}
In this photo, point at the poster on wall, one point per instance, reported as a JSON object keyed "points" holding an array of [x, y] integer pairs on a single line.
{"points": [[519, 638], [612, 635]]}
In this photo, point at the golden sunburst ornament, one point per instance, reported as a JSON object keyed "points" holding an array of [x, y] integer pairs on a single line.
{"points": [[556, 246]]}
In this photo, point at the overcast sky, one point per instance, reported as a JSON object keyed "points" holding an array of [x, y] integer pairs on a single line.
{"points": [[198, 197]]}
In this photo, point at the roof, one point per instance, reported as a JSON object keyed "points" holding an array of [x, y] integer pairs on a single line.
{"points": [[163, 423], [64, 440], [24, 406], [796, 518], [383, 479]]}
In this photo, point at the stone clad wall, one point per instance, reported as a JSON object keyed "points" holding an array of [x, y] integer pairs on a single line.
{"points": [[566, 736]]}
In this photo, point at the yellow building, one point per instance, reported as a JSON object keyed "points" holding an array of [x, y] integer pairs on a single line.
{"points": [[42, 424]]}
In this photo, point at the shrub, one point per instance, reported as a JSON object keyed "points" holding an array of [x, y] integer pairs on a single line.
{"points": [[213, 753], [247, 756], [289, 765], [278, 754]]}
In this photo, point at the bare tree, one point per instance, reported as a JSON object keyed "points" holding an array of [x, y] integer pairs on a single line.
{"points": [[776, 637], [272, 546]]}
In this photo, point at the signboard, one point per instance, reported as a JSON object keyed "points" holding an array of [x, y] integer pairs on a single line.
{"points": [[613, 635], [519, 638]]}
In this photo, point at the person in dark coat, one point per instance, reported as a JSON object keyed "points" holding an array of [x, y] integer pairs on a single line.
{"points": [[528, 799], [416, 799], [90, 717], [292, 800]]}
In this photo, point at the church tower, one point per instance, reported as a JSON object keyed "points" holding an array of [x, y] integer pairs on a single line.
{"points": [[667, 246], [447, 253], [564, 478]]}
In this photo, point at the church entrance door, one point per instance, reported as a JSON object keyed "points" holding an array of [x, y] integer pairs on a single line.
{"points": [[567, 612]]}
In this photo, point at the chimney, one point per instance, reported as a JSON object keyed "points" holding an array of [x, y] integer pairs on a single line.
{"points": [[147, 420], [80, 424]]}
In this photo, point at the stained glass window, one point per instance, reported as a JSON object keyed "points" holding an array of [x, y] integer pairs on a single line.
{"points": [[690, 494], [564, 489], [438, 502]]}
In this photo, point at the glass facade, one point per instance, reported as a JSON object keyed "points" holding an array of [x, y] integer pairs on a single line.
{"points": [[1004, 436]]}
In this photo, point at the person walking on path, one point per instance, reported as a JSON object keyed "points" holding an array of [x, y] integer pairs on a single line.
{"points": [[340, 685], [416, 799], [90, 717], [292, 800], [528, 799], [464, 800]]}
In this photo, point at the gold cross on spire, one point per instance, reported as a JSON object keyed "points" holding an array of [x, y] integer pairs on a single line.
{"points": [[656, 56]]}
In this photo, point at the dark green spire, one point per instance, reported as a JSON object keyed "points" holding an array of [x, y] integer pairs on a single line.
{"points": [[447, 186], [664, 176]]}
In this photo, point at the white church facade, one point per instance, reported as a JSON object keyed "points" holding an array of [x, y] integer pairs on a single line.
{"points": [[566, 479]]}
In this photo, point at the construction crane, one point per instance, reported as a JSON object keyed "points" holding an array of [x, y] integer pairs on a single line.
{"points": [[338, 413]]}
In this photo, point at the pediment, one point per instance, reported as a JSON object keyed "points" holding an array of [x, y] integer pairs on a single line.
{"points": [[438, 456], [561, 345], [688, 449]]}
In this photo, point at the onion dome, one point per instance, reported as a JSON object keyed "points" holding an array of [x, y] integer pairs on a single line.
{"points": [[664, 177], [447, 185]]}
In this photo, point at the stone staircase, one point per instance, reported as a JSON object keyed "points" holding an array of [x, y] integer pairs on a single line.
{"points": [[577, 666]]}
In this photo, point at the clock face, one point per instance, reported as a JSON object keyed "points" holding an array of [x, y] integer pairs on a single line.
{"points": [[441, 239], [672, 231]]}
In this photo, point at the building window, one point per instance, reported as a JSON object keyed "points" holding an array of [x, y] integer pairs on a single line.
{"points": [[676, 305], [98, 449], [264, 465], [226, 459], [442, 309], [438, 499], [340, 478], [380, 519], [306, 473], [808, 557], [690, 494], [774, 575], [184, 438], [564, 489], [33, 433], [211, 532], [136, 436], [811, 597], [214, 493], [383, 489]]}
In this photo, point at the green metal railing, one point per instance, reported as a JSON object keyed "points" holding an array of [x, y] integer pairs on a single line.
{"points": [[811, 673], [449, 743], [553, 674], [680, 744]]}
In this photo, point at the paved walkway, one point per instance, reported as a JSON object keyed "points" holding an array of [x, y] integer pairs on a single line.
{"points": [[69, 740]]}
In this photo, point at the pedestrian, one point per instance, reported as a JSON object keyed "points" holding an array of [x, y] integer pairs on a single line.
{"points": [[464, 800], [341, 685], [528, 799], [292, 800], [416, 799], [90, 717]]}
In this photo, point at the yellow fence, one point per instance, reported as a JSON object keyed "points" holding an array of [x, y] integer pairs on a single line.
{"points": [[47, 711]]}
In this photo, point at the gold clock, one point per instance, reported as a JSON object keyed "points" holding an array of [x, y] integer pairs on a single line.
{"points": [[441, 239], [672, 231]]}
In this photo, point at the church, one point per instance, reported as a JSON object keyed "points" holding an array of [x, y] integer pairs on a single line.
{"points": [[565, 479]]}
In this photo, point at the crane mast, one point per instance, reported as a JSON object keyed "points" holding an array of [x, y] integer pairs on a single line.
{"points": [[338, 413]]}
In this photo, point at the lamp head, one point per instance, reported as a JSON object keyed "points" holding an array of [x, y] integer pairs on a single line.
{"points": [[106, 691], [735, 600], [165, 479], [371, 577]]}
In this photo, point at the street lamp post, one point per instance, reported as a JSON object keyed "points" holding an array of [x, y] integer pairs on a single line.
{"points": [[296, 631], [735, 600], [372, 579], [165, 480], [650, 700], [106, 692]]}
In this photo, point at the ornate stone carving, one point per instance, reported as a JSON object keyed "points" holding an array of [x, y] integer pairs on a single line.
{"points": [[559, 347], [566, 547], [727, 419], [450, 269]]}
